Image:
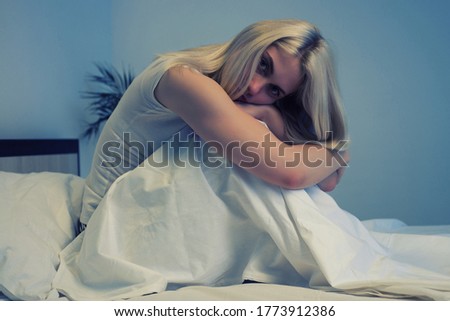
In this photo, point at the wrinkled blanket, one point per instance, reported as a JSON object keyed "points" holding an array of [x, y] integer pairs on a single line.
{"points": [[164, 227]]}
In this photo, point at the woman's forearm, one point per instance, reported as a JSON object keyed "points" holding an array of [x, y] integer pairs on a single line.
{"points": [[269, 115], [319, 166], [273, 119]]}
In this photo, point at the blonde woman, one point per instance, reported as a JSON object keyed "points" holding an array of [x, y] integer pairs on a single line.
{"points": [[273, 86]]}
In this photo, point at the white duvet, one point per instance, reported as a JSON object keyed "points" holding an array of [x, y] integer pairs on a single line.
{"points": [[164, 228]]}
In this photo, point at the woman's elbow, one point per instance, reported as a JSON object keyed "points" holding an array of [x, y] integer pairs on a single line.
{"points": [[293, 181], [329, 184], [327, 187]]}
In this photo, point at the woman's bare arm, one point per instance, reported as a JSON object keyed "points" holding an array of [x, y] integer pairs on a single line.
{"points": [[269, 115], [210, 112], [273, 119]]}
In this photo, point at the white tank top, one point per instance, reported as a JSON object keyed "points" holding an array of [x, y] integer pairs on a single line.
{"points": [[137, 127]]}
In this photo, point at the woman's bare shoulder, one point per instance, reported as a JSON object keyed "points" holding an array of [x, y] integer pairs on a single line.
{"points": [[181, 85], [182, 75]]}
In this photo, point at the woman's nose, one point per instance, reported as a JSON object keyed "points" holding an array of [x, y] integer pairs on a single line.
{"points": [[255, 86]]}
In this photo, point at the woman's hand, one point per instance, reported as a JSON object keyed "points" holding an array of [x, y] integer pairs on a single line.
{"points": [[269, 115]]}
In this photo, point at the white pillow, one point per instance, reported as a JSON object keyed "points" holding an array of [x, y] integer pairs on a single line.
{"points": [[38, 217]]}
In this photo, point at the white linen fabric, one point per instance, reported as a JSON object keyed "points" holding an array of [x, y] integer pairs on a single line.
{"points": [[38, 217], [164, 227]]}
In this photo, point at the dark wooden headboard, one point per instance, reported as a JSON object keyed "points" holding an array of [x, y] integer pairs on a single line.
{"points": [[39, 155]]}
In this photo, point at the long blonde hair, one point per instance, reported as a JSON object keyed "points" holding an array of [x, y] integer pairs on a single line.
{"points": [[314, 113]]}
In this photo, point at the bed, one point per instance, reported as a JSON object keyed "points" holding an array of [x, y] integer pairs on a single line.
{"points": [[40, 197], [39, 155]]}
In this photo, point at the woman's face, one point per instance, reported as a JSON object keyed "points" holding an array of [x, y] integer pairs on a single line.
{"points": [[277, 75]]}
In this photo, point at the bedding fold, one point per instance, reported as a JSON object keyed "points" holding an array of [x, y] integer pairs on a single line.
{"points": [[186, 223]]}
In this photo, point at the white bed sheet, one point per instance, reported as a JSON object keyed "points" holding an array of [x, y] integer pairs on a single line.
{"points": [[162, 228], [234, 228]]}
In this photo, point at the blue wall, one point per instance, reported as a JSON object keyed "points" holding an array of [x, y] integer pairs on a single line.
{"points": [[393, 63], [47, 47]]}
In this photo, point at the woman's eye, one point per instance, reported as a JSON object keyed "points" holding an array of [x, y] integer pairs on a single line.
{"points": [[275, 91], [263, 66]]}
